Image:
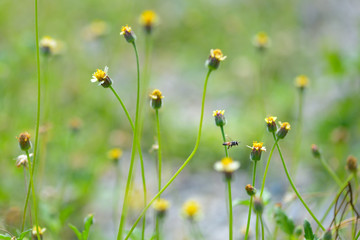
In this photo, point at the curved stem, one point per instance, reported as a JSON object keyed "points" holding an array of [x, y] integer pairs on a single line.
{"points": [[182, 166], [330, 171], [251, 203], [230, 210], [133, 151], [223, 136], [267, 167], [33, 195], [295, 190]]}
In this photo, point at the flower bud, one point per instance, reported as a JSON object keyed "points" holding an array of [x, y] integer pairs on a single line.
{"points": [[327, 235], [219, 118], [214, 59], [258, 205], [283, 130], [250, 190], [301, 82], [257, 149], [24, 141], [351, 163], [148, 18], [315, 151], [128, 34], [156, 99], [102, 77], [271, 124]]}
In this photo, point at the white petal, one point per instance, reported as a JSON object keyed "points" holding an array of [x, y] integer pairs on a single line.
{"points": [[106, 69], [218, 166]]}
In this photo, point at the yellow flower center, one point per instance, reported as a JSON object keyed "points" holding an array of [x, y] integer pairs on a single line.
{"points": [[115, 153], [161, 205], [257, 145], [218, 112], [270, 119], [99, 74], [262, 38], [302, 81], [285, 125], [226, 161], [125, 29], [191, 208], [156, 94], [216, 53], [148, 17]]}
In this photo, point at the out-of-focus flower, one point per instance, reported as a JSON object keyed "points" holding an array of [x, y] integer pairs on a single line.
{"points": [[148, 18], [191, 209], [22, 160], [227, 166], [315, 151], [96, 29], [351, 163], [261, 41], [161, 206], [250, 190], [115, 154], [301, 82], [49, 46], [35, 231], [24, 141]]}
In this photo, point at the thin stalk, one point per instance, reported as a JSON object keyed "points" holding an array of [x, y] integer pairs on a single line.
{"points": [[182, 166], [355, 200], [251, 203], [33, 195], [298, 139], [295, 189], [223, 136], [230, 210], [133, 151], [116, 192], [330, 171], [26, 203], [257, 227], [262, 228], [159, 149], [267, 166]]}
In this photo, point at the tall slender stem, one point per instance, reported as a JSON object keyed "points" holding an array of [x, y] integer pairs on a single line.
{"points": [[330, 171], [159, 149], [230, 210], [262, 228], [251, 203], [294, 188], [27, 192], [267, 167], [133, 151], [33, 195], [224, 139], [299, 130], [182, 166]]}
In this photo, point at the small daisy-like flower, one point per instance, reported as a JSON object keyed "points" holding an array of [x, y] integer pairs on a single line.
{"points": [[216, 56], [219, 118], [102, 77], [301, 82], [261, 41], [271, 124], [48, 46], [156, 99], [24, 141], [39, 230], [227, 166], [115, 154], [148, 18], [250, 190], [161, 206], [257, 149], [315, 151], [191, 209], [283, 130], [22, 160], [351, 163], [128, 34]]}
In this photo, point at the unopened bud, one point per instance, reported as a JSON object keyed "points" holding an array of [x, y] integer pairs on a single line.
{"points": [[315, 151], [283, 130], [24, 141], [298, 231], [250, 190], [258, 205], [128, 34], [219, 118], [351, 163]]}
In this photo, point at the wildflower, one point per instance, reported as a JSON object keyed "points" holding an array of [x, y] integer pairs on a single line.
{"points": [[219, 118], [270, 123], [191, 209], [102, 77], [315, 151], [301, 82], [214, 59], [39, 230], [75, 124], [261, 41], [48, 46], [155, 99], [283, 130], [24, 141], [115, 154], [250, 190], [161, 206], [22, 160], [128, 34], [258, 205], [257, 149], [148, 18], [351, 163], [227, 166], [95, 30]]}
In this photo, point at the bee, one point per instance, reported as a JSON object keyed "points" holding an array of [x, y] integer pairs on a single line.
{"points": [[231, 144]]}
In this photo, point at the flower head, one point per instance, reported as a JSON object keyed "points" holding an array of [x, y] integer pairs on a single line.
{"points": [[191, 209], [258, 205], [315, 151], [38, 230], [301, 82], [261, 41], [115, 154], [48, 46], [22, 160], [101, 76], [128, 34], [156, 99], [24, 141], [257, 149], [351, 163], [161, 206], [271, 124], [250, 190], [216, 56], [283, 130], [219, 117], [96, 29], [227, 166], [148, 18]]}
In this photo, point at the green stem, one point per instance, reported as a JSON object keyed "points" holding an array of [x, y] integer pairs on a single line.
{"points": [[257, 227], [355, 201], [251, 203], [230, 210], [298, 139], [294, 188], [262, 228], [33, 195], [330, 171], [224, 139], [133, 151], [182, 166], [267, 167], [159, 149]]}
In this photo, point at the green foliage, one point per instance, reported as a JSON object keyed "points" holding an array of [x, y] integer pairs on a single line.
{"points": [[87, 224], [308, 232], [286, 224], [22, 235]]}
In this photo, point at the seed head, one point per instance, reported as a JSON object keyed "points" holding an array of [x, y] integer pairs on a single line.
{"points": [[283, 130], [148, 18], [24, 141], [250, 190], [214, 59], [219, 118], [271, 124], [351, 163], [301, 82], [22, 160], [129, 35], [257, 149], [102, 77]]}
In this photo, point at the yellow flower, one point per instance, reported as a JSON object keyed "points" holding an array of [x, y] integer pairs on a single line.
{"points": [[271, 124], [115, 153], [283, 130], [270, 120], [191, 209], [49, 45], [217, 54], [102, 77], [156, 99], [128, 34], [218, 113], [148, 18], [40, 230], [261, 40], [285, 125], [125, 29], [161, 205], [258, 146], [96, 29], [301, 81], [226, 165]]}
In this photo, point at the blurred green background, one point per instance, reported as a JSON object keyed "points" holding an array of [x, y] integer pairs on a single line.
{"points": [[317, 38]]}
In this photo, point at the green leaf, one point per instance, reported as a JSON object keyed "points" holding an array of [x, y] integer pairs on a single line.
{"points": [[5, 236], [88, 222], [309, 235], [77, 232], [23, 234], [241, 202], [286, 224]]}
